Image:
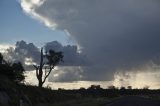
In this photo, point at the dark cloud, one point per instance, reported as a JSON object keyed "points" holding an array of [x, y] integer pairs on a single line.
{"points": [[114, 34], [29, 53], [27, 50], [71, 55], [26, 53]]}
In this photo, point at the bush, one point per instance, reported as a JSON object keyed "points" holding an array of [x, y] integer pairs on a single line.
{"points": [[14, 71]]}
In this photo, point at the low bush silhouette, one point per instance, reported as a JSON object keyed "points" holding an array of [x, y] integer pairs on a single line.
{"points": [[14, 71]]}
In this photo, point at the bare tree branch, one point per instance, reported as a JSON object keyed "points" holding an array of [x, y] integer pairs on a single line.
{"points": [[45, 71], [48, 74], [36, 67]]}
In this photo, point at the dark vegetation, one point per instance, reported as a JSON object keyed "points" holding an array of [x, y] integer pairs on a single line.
{"points": [[13, 71], [11, 82]]}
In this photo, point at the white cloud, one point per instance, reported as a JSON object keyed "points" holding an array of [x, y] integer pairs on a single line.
{"points": [[4, 47], [29, 6], [29, 61]]}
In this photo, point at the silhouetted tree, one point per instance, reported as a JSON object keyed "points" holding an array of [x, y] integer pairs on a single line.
{"points": [[122, 88], [14, 71], [146, 87], [53, 59], [112, 87], [18, 72], [129, 87], [1, 58], [2, 61]]}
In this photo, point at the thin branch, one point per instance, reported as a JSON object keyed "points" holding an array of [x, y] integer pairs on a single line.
{"points": [[45, 71], [52, 67], [48, 74], [43, 64], [36, 67]]}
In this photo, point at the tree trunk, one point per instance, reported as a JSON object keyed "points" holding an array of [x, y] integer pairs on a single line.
{"points": [[41, 70], [40, 84]]}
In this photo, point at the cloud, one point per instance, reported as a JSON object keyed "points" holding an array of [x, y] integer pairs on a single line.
{"points": [[29, 54], [66, 74], [115, 35], [145, 76], [27, 50], [71, 55], [4, 47]]}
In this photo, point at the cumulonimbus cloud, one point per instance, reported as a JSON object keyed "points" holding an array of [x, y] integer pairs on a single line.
{"points": [[114, 34]]}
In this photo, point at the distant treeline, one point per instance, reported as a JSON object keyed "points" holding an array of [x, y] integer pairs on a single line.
{"points": [[97, 91]]}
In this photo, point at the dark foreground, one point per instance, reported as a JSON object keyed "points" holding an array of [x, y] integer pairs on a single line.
{"points": [[12, 93], [134, 101]]}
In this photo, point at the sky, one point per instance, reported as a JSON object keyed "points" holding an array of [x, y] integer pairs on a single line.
{"points": [[114, 42], [15, 25]]}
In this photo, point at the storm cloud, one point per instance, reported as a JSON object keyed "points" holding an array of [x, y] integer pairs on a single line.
{"points": [[26, 53], [72, 56], [29, 54], [114, 34]]}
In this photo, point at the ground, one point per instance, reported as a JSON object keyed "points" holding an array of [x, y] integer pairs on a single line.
{"points": [[134, 101]]}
